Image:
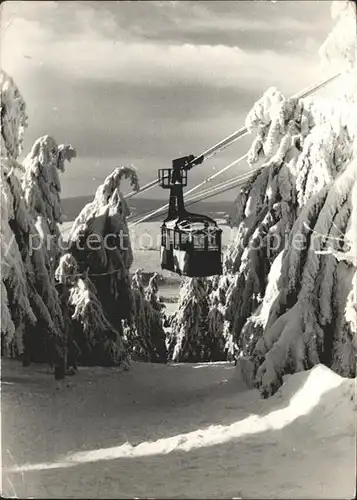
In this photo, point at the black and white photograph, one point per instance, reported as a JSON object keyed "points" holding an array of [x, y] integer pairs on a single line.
{"points": [[178, 249]]}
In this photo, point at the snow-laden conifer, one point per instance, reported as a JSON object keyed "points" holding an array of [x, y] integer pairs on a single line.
{"points": [[42, 190], [145, 335], [91, 338], [99, 241], [30, 305], [192, 337], [290, 302], [125, 319]]}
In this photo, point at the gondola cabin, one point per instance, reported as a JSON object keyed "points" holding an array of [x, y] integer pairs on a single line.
{"points": [[191, 249], [190, 243]]}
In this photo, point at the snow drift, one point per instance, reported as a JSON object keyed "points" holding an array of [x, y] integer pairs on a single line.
{"points": [[209, 426]]}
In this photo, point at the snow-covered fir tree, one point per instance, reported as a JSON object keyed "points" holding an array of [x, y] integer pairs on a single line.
{"points": [[145, 335], [99, 241], [218, 338], [290, 304], [156, 318], [42, 190], [100, 245], [93, 275], [192, 338], [90, 338], [31, 315]]}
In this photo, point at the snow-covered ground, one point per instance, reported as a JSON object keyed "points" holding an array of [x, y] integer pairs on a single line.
{"points": [[176, 431]]}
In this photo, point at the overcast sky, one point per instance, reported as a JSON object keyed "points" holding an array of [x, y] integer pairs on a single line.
{"points": [[144, 82]]}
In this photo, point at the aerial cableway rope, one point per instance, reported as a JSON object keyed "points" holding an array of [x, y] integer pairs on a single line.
{"points": [[212, 191], [236, 135], [222, 187], [219, 147], [164, 207]]}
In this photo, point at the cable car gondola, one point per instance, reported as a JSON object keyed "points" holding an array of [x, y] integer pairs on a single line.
{"points": [[190, 243]]}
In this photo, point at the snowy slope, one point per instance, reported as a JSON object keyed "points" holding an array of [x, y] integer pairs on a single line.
{"points": [[177, 431]]}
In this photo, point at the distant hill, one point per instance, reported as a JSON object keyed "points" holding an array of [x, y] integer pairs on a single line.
{"points": [[219, 209]]}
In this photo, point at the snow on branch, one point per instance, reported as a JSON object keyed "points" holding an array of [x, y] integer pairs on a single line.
{"points": [[65, 153], [91, 329], [340, 47], [16, 310], [41, 181], [108, 196], [146, 336], [192, 338], [13, 117], [299, 338]]}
